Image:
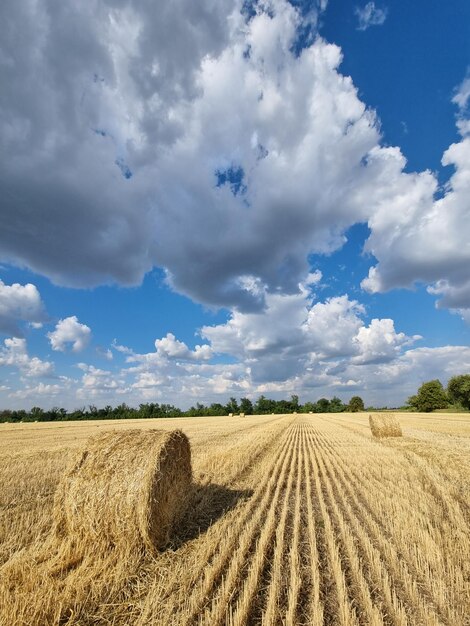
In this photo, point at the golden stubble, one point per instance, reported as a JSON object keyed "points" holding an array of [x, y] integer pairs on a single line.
{"points": [[300, 519]]}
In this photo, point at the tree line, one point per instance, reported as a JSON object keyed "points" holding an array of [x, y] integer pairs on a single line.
{"points": [[432, 396], [262, 406]]}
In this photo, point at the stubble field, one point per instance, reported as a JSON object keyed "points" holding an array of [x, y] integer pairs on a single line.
{"points": [[298, 519]]}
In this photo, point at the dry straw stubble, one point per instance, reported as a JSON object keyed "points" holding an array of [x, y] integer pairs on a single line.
{"points": [[385, 425], [116, 503], [125, 487]]}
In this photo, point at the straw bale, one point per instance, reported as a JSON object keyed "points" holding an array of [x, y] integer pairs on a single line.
{"points": [[242, 415], [385, 425], [125, 488]]}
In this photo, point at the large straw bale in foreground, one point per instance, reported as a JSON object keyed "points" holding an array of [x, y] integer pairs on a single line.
{"points": [[385, 425], [126, 488]]}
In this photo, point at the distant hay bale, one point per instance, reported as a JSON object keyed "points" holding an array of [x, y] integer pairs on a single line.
{"points": [[242, 415], [125, 488], [385, 425], [230, 414]]}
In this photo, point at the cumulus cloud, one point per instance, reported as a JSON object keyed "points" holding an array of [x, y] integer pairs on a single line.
{"points": [[292, 336], [417, 237], [70, 331], [96, 382], [172, 348], [215, 120], [20, 303], [89, 106], [123, 122], [379, 342], [370, 15], [462, 94], [15, 354], [312, 349], [42, 391], [462, 100]]}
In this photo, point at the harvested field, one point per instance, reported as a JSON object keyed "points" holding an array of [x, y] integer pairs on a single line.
{"points": [[300, 519]]}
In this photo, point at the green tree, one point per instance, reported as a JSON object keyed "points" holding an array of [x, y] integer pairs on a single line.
{"points": [[431, 396], [36, 414], [263, 406], [246, 406], [323, 405], [458, 389], [294, 403], [232, 406], [336, 405], [356, 404], [217, 409]]}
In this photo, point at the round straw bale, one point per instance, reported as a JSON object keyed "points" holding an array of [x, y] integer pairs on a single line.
{"points": [[385, 425], [126, 488]]}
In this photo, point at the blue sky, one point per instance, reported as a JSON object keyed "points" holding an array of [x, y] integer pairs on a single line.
{"points": [[207, 202]]}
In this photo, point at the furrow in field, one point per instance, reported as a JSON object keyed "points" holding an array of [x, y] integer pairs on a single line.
{"points": [[363, 588], [425, 557], [359, 592], [247, 607], [297, 579], [337, 609], [312, 608], [401, 591], [221, 572], [281, 564]]}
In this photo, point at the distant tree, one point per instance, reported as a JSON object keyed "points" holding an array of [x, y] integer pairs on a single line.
{"points": [[336, 405], [263, 406], [431, 396], [458, 389], [294, 403], [356, 404], [217, 409], [323, 405], [5, 415], [246, 406], [36, 414], [232, 406]]}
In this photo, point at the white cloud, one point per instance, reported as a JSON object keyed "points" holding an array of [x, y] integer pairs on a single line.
{"points": [[462, 94], [171, 348], [183, 92], [104, 353], [379, 343], [462, 99], [177, 100], [370, 15], [292, 336], [70, 331], [313, 350], [93, 90], [264, 153], [332, 326], [20, 303], [15, 354], [98, 384], [418, 238], [41, 391]]}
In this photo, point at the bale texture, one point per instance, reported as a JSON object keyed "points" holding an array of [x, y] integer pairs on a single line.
{"points": [[385, 425], [125, 488]]}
